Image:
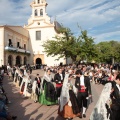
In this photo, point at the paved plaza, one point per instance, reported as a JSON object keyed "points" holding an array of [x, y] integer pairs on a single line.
{"points": [[26, 109]]}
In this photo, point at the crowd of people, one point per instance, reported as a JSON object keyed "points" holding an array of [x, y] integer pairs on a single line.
{"points": [[69, 86], [4, 101]]}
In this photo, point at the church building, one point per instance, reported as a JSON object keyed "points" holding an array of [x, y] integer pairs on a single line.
{"points": [[23, 45]]}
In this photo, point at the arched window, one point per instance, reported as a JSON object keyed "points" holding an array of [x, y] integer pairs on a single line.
{"points": [[41, 12], [25, 61], [35, 12], [10, 60], [18, 60], [10, 43], [38, 1], [43, 1]]}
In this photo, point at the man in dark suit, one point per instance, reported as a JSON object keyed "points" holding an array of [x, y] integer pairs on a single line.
{"points": [[115, 96], [58, 79], [82, 83], [38, 79]]}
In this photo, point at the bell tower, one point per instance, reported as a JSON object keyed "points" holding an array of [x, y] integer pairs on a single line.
{"points": [[38, 12], [38, 8]]}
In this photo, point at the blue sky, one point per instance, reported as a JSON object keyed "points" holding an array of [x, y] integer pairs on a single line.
{"points": [[101, 18]]}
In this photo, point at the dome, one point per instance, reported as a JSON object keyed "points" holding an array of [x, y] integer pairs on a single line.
{"points": [[57, 26]]}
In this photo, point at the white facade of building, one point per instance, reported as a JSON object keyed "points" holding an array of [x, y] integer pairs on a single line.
{"points": [[29, 39], [14, 47]]}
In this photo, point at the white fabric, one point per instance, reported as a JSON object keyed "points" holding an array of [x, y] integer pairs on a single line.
{"points": [[82, 80], [25, 72], [75, 90], [34, 86], [70, 71], [90, 74], [8, 67], [100, 74], [20, 74], [69, 103], [61, 76], [2, 72], [25, 92], [100, 111], [41, 86], [23, 80], [118, 87], [84, 109], [17, 71], [27, 80], [64, 97], [48, 78]]}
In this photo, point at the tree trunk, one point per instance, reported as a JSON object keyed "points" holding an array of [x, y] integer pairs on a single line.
{"points": [[74, 59], [113, 60]]}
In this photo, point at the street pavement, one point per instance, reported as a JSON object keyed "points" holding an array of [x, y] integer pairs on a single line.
{"points": [[26, 109]]}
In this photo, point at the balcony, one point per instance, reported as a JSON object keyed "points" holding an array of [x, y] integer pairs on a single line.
{"points": [[16, 50], [21, 50], [8, 48], [28, 52]]}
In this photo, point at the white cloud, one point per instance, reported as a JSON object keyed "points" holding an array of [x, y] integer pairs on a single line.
{"points": [[14, 13], [107, 36], [91, 15]]}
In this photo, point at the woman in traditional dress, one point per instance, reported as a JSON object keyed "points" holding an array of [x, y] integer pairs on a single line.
{"points": [[16, 75], [34, 94], [100, 111], [36, 88], [10, 73], [23, 88], [68, 107], [115, 97], [108, 105], [21, 76], [48, 93]]}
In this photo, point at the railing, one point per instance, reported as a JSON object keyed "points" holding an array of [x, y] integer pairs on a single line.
{"points": [[10, 48], [16, 50], [21, 50]]}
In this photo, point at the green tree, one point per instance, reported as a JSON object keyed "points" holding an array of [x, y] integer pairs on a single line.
{"points": [[88, 48], [67, 45], [61, 45], [108, 52]]}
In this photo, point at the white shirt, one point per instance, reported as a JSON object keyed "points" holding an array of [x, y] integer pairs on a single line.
{"points": [[61, 76], [82, 80], [90, 74], [8, 67]]}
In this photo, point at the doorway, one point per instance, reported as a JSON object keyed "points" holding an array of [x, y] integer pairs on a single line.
{"points": [[18, 60]]}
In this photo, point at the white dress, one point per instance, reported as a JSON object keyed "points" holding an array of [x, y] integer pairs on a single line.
{"points": [[34, 96], [100, 111], [25, 92], [25, 81]]}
